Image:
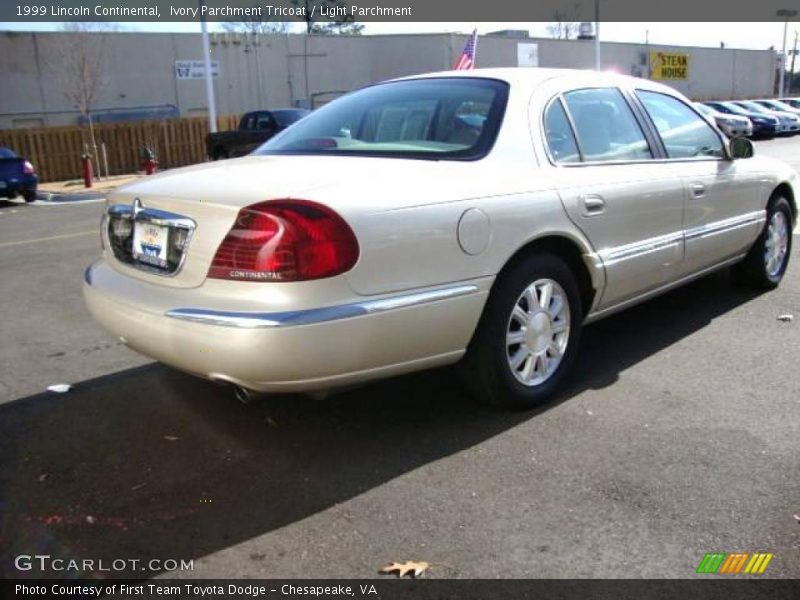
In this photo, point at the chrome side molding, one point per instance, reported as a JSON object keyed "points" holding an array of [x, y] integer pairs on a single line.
{"points": [[725, 225], [260, 320]]}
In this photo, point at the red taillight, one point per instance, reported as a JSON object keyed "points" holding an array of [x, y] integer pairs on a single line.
{"points": [[285, 240], [27, 168]]}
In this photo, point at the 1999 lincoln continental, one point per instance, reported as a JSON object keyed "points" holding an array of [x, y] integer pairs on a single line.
{"points": [[481, 216]]}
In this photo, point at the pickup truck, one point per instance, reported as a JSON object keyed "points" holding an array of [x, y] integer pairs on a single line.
{"points": [[255, 128]]}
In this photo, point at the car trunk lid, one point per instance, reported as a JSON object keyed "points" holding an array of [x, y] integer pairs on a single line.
{"points": [[11, 167]]}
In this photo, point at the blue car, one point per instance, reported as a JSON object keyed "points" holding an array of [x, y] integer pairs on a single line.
{"points": [[17, 176], [763, 125]]}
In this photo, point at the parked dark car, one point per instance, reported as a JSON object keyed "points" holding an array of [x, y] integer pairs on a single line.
{"points": [[763, 125], [17, 176], [255, 128]]}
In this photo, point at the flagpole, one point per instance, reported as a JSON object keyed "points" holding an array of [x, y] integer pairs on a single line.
{"points": [[474, 46]]}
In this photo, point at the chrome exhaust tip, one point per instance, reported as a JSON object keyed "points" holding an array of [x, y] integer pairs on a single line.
{"points": [[243, 395]]}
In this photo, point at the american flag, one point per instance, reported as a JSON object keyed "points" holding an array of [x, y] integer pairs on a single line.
{"points": [[467, 58]]}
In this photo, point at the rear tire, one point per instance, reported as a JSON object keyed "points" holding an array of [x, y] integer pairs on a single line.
{"points": [[528, 335], [29, 195], [766, 262], [220, 154]]}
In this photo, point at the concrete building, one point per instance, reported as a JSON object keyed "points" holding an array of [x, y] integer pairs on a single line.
{"points": [[151, 75]]}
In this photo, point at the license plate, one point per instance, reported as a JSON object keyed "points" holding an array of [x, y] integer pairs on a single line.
{"points": [[150, 244], [2, 185]]}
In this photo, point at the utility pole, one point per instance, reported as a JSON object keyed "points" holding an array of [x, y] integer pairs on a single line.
{"points": [[786, 14], [597, 35], [791, 73], [212, 105]]}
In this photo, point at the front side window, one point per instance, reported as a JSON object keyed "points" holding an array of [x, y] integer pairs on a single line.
{"points": [[685, 133], [437, 118], [558, 132], [605, 126]]}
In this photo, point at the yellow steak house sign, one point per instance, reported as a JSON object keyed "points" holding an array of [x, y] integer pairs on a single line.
{"points": [[669, 65]]}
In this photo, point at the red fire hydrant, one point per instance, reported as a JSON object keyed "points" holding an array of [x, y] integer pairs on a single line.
{"points": [[86, 170], [150, 162]]}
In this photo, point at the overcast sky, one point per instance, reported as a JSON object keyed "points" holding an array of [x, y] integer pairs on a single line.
{"points": [[735, 35]]}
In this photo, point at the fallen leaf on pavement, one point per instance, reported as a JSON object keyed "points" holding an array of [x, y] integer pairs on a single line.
{"points": [[786, 318], [797, 516], [43, 477], [59, 388], [415, 568], [271, 422], [171, 438]]}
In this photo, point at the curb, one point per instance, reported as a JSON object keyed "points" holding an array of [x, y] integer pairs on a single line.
{"points": [[74, 197]]}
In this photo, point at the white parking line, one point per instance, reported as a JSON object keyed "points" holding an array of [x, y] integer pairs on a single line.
{"points": [[47, 239]]}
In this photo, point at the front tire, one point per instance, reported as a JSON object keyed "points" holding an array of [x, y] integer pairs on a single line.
{"points": [[766, 262], [29, 195], [528, 335]]}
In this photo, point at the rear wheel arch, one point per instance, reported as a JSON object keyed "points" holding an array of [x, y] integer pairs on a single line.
{"points": [[571, 252]]}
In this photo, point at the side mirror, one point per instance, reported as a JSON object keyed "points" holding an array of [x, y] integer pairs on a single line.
{"points": [[740, 147]]}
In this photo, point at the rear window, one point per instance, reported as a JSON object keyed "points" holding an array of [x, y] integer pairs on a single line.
{"points": [[6, 153], [438, 118], [287, 117]]}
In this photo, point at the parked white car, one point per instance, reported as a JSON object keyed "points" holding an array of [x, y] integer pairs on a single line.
{"points": [[731, 125], [482, 216]]}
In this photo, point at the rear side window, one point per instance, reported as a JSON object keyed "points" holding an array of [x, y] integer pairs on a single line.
{"points": [[685, 133], [560, 139], [605, 125]]}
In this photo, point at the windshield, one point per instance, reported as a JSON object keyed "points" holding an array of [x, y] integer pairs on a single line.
{"points": [[756, 108], [439, 118], [778, 105], [706, 110], [734, 108]]}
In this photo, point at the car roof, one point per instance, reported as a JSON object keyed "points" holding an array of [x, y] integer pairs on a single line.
{"points": [[528, 77]]}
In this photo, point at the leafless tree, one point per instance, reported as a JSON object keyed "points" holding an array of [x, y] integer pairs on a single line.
{"points": [[564, 25], [255, 26], [346, 25], [83, 64]]}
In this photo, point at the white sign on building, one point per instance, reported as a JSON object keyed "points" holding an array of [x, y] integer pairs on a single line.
{"points": [[527, 55], [194, 69]]}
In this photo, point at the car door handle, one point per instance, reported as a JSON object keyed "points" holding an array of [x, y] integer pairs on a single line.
{"points": [[698, 190], [593, 205]]}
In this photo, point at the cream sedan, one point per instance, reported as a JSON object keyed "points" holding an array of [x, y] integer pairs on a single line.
{"points": [[482, 216]]}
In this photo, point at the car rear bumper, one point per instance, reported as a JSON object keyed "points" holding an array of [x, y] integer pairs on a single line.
{"points": [[12, 186], [303, 350]]}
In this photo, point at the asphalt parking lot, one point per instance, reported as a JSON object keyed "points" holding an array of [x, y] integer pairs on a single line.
{"points": [[678, 435]]}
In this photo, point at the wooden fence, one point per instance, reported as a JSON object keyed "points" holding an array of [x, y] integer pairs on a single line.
{"points": [[56, 151]]}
